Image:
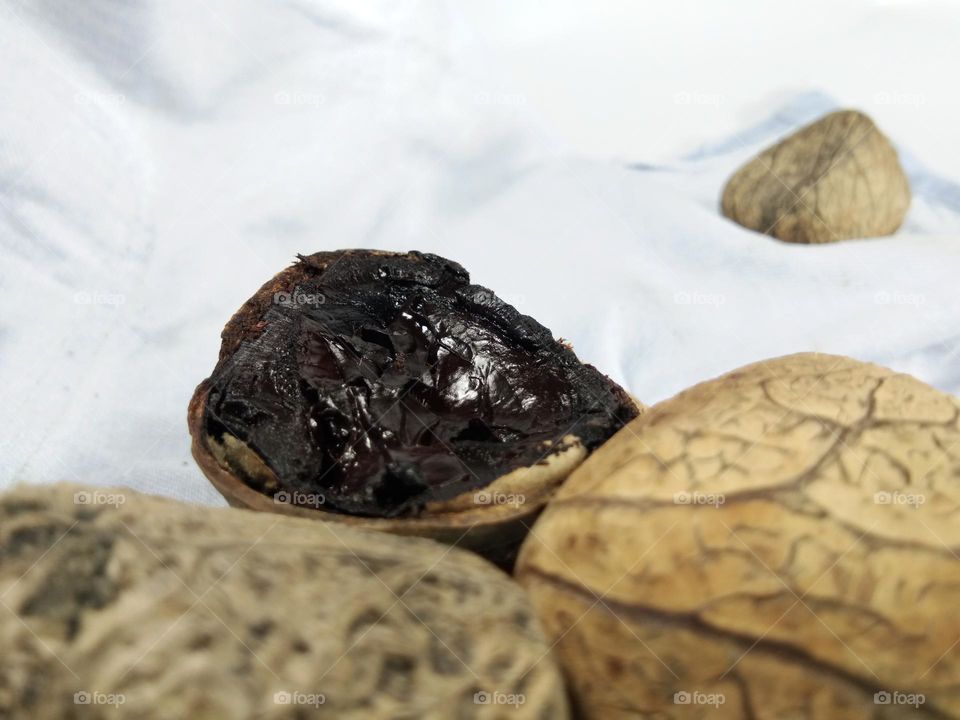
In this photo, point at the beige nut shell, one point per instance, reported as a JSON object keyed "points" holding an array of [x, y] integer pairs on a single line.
{"points": [[784, 537], [835, 179], [196, 613]]}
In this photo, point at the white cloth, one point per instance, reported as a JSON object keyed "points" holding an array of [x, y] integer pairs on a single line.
{"points": [[159, 160]]}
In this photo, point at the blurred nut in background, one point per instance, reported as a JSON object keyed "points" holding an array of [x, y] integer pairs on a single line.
{"points": [[835, 179]]}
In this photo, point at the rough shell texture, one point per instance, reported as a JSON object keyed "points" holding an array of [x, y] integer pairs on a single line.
{"points": [[190, 612], [785, 536], [835, 179]]}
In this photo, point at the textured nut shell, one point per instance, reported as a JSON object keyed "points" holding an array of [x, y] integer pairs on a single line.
{"points": [[836, 179], [493, 530], [193, 612], [802, 594]]}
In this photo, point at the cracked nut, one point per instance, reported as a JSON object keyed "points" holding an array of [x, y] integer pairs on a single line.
{"points": [[836, 179], [780, 542], [140, 607], [385, 390]]}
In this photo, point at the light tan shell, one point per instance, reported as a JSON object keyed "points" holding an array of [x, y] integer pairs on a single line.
{"points": [[786, 536], [835, 179], [192, 612]]}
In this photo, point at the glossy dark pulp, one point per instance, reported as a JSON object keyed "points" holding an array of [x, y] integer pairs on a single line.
{"points": [[383, 382]]}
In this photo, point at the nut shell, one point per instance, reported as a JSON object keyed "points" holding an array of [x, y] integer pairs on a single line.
{"points": [[835, 179], [494, 530], [783, 537], [190, 612]]}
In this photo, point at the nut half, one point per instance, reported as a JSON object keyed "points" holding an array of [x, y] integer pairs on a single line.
{"points": [[384, 390]]}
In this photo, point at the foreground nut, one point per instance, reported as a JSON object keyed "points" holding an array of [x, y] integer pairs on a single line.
{"points": [[139, 607], [780, 542], [836, 179]]}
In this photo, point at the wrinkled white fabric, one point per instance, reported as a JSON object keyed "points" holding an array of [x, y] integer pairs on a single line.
{"points": [[160, 160]]}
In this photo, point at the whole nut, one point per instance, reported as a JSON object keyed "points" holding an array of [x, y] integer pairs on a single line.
{"points": [[835, 179], [140, 607], [780, 542]]}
